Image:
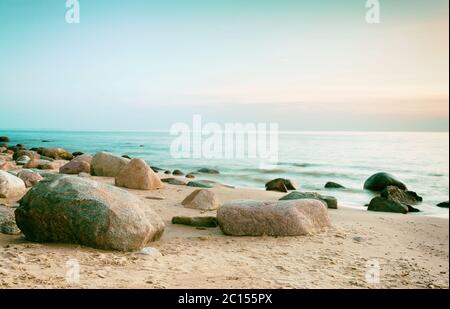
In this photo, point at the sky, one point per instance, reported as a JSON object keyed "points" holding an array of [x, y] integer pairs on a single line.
{"points": [[145, 64]]}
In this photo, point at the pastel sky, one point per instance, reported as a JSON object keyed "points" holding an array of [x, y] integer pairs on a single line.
{"points": [[143, 64]]}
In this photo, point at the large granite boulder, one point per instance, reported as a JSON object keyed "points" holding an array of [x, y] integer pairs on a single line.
{"points": [[56, 153], [138, 175], [379, 182], [280, 185], [80, 164], [106, 164], [273, 218], [10, 185], [24, 152], [77, 210], [201, 199], [29, 177], [330, 201]]}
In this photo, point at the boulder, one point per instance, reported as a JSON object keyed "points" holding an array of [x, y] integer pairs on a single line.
{"points": [[177, 173], [22, 160], [201, 199], [138, 175], [7, 165], [383, 204], [80, 164], [280, 184], [4, 139], [199, 184], [190, 176], [443, 204], [51, 165], [56, 153], [7, 221], [205, 170], [3, 149], [196, 221], [77, 210], [273, 218], [23, 152], [379, 181], [167, 172], [106, 164], [29, 177], [333, 185], [10, 185], [401, 196], [33, 163], [77, 153], [330, 201]]}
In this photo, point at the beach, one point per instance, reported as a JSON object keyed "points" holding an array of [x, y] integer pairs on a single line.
{"points": [[411, 250]]}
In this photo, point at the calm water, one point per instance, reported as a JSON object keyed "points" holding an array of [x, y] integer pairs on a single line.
{"points": [[421, 160]]}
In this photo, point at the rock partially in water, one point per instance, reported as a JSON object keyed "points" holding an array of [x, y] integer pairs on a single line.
{"points": [[199, 184], [177, 173], [4, 139], [174, 181], [379, 182], [206, 170], [77, 210], [273, 218], [280, 185], [401, 196], [330, 201], [383, 204], [196, 221], [443, 204], [333, 185]]}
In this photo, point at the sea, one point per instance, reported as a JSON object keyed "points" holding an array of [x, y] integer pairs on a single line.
{"points": [[419, 159]]}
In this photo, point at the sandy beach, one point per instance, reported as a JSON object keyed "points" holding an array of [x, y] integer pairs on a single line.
{"points": [[412, 252]]}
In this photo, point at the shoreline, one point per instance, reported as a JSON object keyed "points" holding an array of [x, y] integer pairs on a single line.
{"points": [[412, 252]]}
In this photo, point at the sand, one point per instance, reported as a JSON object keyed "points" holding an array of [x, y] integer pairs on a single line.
{"points": [[411, 251]]}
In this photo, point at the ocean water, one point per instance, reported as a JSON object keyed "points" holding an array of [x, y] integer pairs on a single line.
{"points": [[420, 160]]}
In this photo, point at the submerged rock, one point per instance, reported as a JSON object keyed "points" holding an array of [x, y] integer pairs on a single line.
{"points": [[273, 218], [10, 185], [196, 221], [205, 170], [330, 201], [138, 175], [385, 205], [379, 182], [4, 139], [106, 164], [333, 185], [280, 185], [199, 184], [174, 181], [443, 204], [201, 199], [77, 210]]}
